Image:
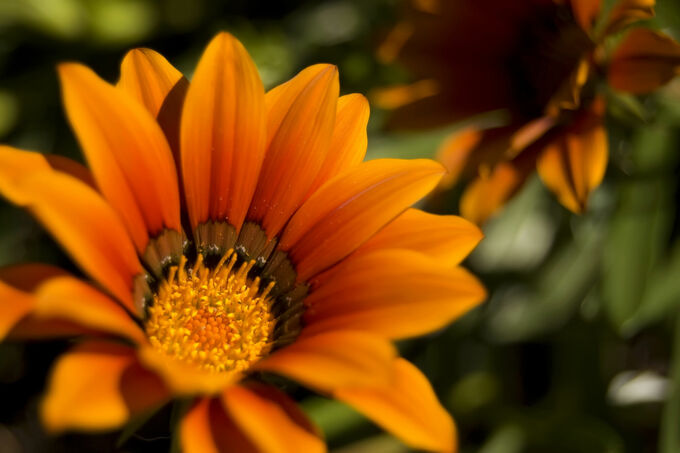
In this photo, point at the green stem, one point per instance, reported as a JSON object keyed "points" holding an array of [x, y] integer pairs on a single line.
{"points": [[670, 423], [179, 409]]}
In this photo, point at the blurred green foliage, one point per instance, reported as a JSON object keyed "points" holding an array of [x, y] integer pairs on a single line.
{"points": [[577, 305]]}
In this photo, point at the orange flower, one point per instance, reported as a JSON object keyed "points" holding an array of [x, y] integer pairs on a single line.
{"points": [[541, 62], [280, 252]]}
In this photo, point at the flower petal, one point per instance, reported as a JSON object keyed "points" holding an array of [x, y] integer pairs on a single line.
{"points": [[349, 141], [391, 293], [626, 12], [68, 298], [98, 386], [644, 61], [15, 306], [195, 432], [351, 208], [573, 165], [149, 78], [457, 151], [27, 277], [223, 133], [126, 150], [586, 12], [289, 406], [472, 151], [33, 328], [16, 165], [485, 195], [70, 167], [184, 379], [404, 95], [301, 118], [77, 217], [408, 408], [207, 429], [333, 359], [447, 239], [17, 322], [255, 414]]}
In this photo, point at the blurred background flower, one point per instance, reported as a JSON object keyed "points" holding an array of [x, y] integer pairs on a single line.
{"points": [[544, 66], [580, 339]]}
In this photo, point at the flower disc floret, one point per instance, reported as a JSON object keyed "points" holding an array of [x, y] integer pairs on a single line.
{"points": [[217, 319]]}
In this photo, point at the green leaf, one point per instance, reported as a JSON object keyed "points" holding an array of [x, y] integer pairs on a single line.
{"points": [[626, 107], [669, 436], [636, 288], [560, 286], [663, 294], [334, 418], [635, 242]]}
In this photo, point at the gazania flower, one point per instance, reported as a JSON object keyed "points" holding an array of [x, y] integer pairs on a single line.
{"points": [[242, 238], [544, 63]]}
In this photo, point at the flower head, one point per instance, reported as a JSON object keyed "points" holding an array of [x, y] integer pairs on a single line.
{"points": [[543, 63], [231, 233]]}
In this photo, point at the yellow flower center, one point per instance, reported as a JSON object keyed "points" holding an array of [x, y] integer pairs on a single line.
{"points": [[217, 319]]}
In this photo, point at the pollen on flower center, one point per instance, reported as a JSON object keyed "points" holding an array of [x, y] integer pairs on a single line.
{"points": [[217, 319]]}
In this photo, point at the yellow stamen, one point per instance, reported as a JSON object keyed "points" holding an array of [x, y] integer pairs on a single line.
{"points": [[217, 319]]}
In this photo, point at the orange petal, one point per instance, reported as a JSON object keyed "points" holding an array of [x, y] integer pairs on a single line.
{"points": [[88, 229], [428, 6], [289, 406], [149, 78], [68, 298], [142, 390], [455, 153], [207, 429], [447, 239], [16, 285], [471, 151], [533, 131], [256, 414], [15, 306], [644, 61], [351, 208], [408, 408], [17, 320], [484, 196], [349, 141], [333, 359], [184, 379], [32, 328], [568, 95], [586, 12], [223, 133], [16, 164], [389, 49], [195, 432], [400, 95], [574, 163], [27, 277], [91, 388], [626, 12], [300, 122], [71, 167], [391, 293], [126, 150], [77, 217]]}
